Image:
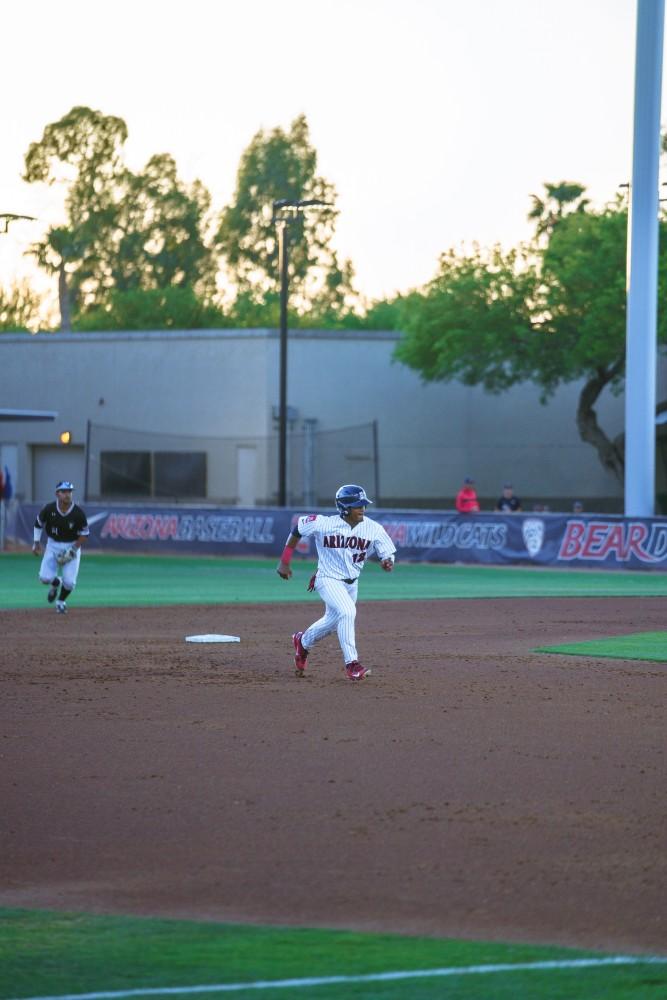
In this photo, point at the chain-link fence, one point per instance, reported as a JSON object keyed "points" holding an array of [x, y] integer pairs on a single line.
{"points": [[128, 464]]}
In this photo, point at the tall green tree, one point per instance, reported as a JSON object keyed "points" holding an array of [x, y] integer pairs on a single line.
{"points": [[159, 236], [552, 313], [82, 151], [125, 231], [283, 165], [473, 321], [582, 334]]}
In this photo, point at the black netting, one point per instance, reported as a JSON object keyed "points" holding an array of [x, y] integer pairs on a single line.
{"points": [[122, 463]]}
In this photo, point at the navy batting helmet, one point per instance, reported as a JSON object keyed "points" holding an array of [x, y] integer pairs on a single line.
{"points": [[351, 496]]}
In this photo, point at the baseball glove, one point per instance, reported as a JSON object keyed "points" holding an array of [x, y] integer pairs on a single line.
{"points": [[66, 556]]}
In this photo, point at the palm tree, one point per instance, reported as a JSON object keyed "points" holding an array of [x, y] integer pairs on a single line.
{"points": [[559, 200]]}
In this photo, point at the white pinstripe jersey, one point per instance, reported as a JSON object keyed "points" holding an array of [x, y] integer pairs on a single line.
{"points": [[341, 549]]}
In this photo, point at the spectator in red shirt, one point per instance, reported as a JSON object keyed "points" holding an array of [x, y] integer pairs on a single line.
{"points": [[466, 498]]}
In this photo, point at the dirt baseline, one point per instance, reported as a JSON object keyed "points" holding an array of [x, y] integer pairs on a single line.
{"points": [[468, 788]]}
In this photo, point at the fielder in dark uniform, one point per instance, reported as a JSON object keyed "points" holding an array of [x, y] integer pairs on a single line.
{"points": [[67, 529]]}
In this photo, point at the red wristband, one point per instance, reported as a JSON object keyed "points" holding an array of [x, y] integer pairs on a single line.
{"points": [[286, 557]]}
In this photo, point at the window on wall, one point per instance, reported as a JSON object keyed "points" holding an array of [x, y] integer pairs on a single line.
{"points": [[179, 474], [125, 473], [159, 474]]}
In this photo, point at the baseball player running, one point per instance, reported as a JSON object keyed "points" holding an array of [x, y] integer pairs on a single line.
{"points": [[67, 529], [343, 541]]}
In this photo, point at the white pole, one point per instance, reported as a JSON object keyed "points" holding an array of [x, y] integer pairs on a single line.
{"points": [[641, 328]]}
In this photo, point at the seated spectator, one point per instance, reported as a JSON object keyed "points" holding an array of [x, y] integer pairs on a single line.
{"points": [[466, 498], [577, 507], [508, 503]]}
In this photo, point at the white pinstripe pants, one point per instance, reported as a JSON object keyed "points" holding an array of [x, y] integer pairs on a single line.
{"points": [[340, 601]]}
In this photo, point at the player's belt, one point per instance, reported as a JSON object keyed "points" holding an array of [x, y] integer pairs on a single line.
{"points": [[350, 581]]}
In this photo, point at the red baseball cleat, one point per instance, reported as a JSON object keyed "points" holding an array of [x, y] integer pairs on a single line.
{"points": [[355, 671], [300, 654]]}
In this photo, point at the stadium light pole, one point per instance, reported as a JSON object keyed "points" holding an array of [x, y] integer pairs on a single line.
{"points": [[285, 210], [642, 290], [7, 217]]}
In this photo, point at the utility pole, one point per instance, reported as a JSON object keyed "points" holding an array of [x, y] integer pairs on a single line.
{"points": [[285, 211]]}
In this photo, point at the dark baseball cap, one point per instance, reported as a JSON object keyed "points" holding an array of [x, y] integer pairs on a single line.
{"points": [[64, 484], [468, 481]]}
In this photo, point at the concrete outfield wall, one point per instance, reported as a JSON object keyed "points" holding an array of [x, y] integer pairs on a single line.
{"points": [[226, 383]]}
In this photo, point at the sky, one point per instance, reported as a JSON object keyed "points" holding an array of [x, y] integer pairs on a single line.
{"points": [[435, 120]]}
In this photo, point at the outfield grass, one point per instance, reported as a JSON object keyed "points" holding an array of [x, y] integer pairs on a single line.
{"points": [[53, 954], [122, 580]]}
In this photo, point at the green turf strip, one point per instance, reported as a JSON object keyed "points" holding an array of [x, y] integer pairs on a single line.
{"points": [[640, 646], [50, 954], [128, 580]]}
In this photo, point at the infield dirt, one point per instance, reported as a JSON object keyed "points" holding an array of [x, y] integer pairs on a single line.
{"points": [[468, 788]]}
